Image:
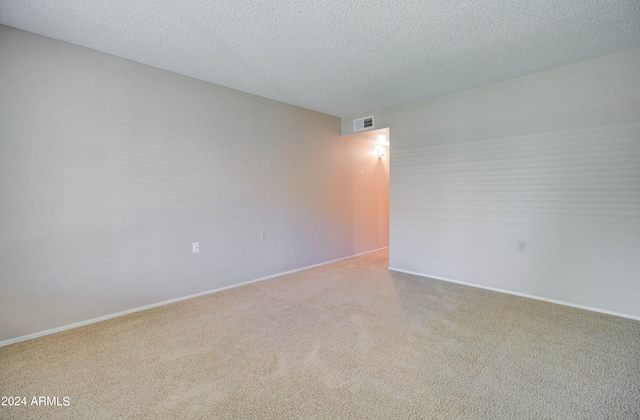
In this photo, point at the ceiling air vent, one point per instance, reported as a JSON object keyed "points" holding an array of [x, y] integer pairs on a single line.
{"points": [[362, 123]]}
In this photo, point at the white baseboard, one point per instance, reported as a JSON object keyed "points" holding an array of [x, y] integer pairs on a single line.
{"points": [[510, 292], [166, 302]]}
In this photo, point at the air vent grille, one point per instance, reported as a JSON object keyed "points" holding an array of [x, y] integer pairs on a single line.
{"points": [[362, 123]]}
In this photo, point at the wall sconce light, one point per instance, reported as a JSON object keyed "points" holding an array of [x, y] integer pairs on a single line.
{"points": [[380, 152]]}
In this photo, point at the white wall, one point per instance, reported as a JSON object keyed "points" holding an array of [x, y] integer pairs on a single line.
{"points": [[552, 159], [110, 169]]}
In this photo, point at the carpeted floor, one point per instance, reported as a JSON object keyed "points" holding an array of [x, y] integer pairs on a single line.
{"points": [[346, 340]]}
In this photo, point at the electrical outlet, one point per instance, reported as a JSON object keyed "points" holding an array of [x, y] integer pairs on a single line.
{"points": [[263, 237], [196, 247], [522, 246]]}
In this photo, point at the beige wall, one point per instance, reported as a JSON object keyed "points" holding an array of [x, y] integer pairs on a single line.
{"points": [[551, 158], [110, 169]]}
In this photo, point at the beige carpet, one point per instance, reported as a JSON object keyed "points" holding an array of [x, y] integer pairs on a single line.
{"points": [[346, 340]]}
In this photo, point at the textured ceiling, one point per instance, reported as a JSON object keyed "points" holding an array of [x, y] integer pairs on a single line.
{"points": [[340, 57]]}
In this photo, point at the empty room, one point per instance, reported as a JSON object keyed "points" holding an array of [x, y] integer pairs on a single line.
{"points": [[338, 209]]}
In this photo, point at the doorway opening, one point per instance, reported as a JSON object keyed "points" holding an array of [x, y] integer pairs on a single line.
{"points": [[370, 216]]}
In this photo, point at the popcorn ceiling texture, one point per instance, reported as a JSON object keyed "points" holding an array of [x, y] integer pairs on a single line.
{"points": [[340, 58], [349, 340]]}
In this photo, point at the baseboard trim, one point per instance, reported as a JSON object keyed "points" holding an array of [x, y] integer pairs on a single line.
{"points": [[167, 302], [510, 292]]}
